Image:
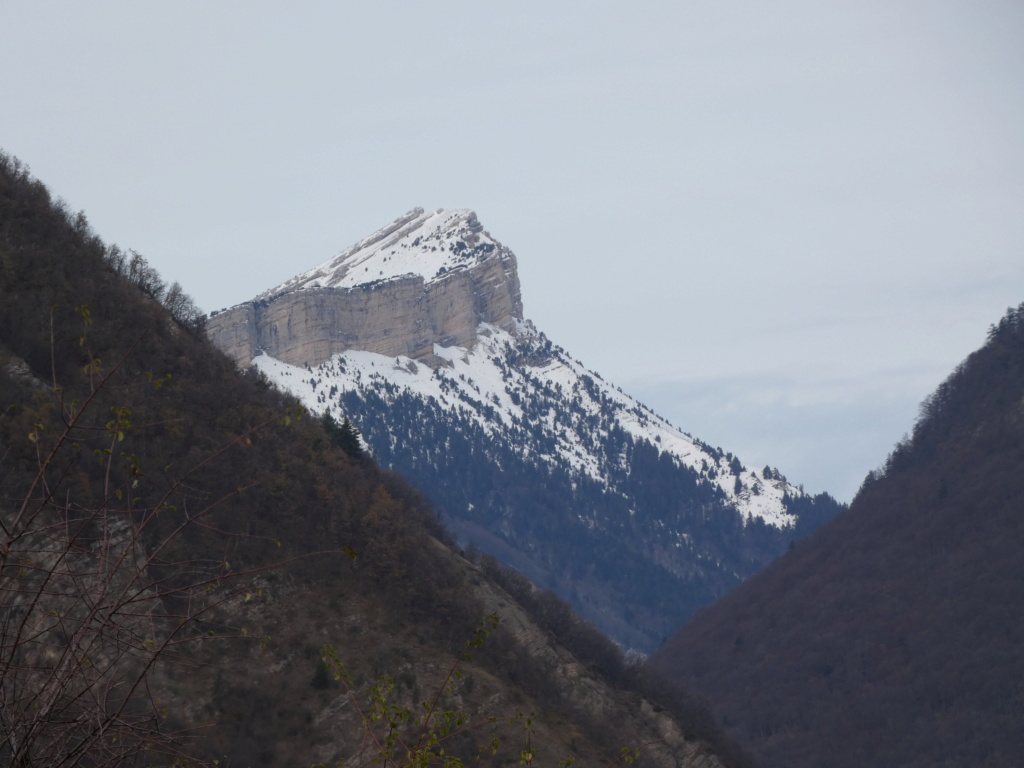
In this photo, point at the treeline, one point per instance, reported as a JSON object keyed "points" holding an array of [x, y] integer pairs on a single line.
{"points": [[138, 271], [24, 193], [956, 401]]}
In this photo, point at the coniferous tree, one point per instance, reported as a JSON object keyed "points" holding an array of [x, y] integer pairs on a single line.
{"points": [[330, 426], [344, 435], [348, 439]]}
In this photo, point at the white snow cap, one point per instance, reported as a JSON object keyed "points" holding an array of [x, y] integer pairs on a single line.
{"points": [[417, 244]]}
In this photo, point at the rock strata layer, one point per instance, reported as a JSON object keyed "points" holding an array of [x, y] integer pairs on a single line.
{"points": [[444, 277]]}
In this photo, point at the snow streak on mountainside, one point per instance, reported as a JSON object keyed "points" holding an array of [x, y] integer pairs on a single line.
{"points": [[507, 381]]}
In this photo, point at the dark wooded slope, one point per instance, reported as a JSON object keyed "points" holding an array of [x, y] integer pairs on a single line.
{"points": [[893, 636]]}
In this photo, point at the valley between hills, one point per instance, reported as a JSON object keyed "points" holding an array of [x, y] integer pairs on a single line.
{"points": [[416, 335]]}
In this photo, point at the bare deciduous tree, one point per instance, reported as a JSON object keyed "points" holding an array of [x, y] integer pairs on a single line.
{"points": [[95, 598]]}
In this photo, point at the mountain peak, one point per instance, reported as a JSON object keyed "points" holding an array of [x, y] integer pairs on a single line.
{"points": [[425, 279], [428, 245]]}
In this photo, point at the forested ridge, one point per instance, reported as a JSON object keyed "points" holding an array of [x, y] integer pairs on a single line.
{"points": [[565, 529], [104, 371], [893, 635]]}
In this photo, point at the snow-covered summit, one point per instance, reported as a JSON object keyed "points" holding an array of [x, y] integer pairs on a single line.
{"points": [[429, 245], [425, 279]]}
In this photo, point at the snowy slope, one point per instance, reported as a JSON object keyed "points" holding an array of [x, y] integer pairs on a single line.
{"points": [[493, 384], [426, 244]]}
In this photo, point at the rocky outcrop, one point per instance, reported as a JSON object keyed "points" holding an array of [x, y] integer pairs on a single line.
{"points": [[589, 695], [406, 314]]}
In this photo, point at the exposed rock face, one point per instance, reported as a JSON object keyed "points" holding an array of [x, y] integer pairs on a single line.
{"points": [[425, 279]]}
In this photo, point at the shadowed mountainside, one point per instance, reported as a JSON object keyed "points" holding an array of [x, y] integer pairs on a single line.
{"points": [[894, 634]]}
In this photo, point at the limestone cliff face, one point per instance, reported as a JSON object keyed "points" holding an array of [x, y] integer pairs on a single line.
{"points": [[426, 279]]}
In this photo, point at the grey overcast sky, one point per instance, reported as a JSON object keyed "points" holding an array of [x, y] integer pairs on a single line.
{"points": [[778, 224]]}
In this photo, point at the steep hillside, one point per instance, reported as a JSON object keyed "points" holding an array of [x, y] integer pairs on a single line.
{"points": [[416, 335], [179, 544], [894, 635]]}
